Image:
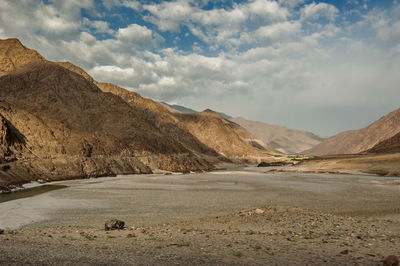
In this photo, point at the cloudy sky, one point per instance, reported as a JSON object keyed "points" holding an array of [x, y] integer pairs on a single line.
{"points": [[323, 66]]}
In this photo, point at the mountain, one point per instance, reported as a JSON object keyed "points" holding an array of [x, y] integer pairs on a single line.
{"points": [[356, 141], [207, 129], [280, 138], [390, 145], [57, 122], [185, 110], [181, 109], [226, 138]]}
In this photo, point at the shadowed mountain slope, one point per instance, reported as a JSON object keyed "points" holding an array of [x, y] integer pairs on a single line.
{"points": [[389, 145]]}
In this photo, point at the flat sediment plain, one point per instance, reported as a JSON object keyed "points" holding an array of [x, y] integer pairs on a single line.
{"points": [[238, 217]]}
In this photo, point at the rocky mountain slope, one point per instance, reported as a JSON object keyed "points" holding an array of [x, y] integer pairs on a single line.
{"points": [[284, 139], [198, 131], [226, 137], [356, 141], [57, 122], [389, 145]]}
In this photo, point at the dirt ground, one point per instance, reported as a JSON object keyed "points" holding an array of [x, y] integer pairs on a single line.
{"points": [[377, 164], [270, 235], [221, 218]]}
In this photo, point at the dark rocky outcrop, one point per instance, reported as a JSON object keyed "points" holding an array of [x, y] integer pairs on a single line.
{"points": [[391, 261], [265, 164], [114, 224]]}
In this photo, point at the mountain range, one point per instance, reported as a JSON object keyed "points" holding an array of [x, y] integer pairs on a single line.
{"points": [[57, 122], [283, 139]]}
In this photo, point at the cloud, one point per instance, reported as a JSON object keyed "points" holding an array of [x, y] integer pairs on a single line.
{"points": [[212, 26], [139, 35], [168, 16], [267, 10], [132, 4], [315, 11], [273, 33], [99, 26], [291, 3]]}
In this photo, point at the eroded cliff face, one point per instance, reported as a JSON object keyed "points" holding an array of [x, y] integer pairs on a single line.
{"points": [[12, 141]]}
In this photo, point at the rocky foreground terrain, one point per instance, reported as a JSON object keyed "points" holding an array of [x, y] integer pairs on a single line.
{"points": [[57, 122], [273, 235]]}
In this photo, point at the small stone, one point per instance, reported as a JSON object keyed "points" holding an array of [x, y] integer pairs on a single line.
{"points": [[259, 211], [344, 252], [114, 224], [130, 235], [391, 261]]}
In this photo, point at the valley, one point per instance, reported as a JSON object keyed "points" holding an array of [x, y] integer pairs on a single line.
{"points": [[76, 152]]}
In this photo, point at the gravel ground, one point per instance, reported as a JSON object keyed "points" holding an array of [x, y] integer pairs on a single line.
{"points": [[302, 219]]}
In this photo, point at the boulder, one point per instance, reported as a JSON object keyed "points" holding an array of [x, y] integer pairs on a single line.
{"points": [[391, 261], [1, 231], [259, 211], [114, 224]]}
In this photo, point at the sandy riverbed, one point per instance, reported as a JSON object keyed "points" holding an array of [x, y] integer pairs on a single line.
{"points": [[207, 219]]}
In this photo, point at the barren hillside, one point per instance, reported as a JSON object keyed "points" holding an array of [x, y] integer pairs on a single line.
{"points": [[57, 122], [284, 139], [356, 141], [389, 145]]}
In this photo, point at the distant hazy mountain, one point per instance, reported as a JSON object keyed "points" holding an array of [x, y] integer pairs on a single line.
{"points": [[281, 138], [356, 141], [185, 110], [181, 109]]}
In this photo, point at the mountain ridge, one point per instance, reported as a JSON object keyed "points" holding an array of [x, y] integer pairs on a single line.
{"points": [[361, 140], [282, 138], [73, 126]]}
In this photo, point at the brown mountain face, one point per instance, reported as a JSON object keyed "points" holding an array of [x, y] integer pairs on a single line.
{"points": [[356, 141], [390, 145], [205, 132], [57, 122], [15, 56], [280, 138], [224, 136]]}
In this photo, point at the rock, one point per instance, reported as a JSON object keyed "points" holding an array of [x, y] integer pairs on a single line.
{"points": [[1, 231], [265, 164], [391, 261], [114, 224], [345, 252], [259, 211]]}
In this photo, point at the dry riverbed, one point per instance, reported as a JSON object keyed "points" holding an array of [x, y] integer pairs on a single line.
{"points": [[216, 218]]}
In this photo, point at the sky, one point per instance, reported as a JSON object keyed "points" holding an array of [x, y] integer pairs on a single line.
{"points": [[321, 66]]}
